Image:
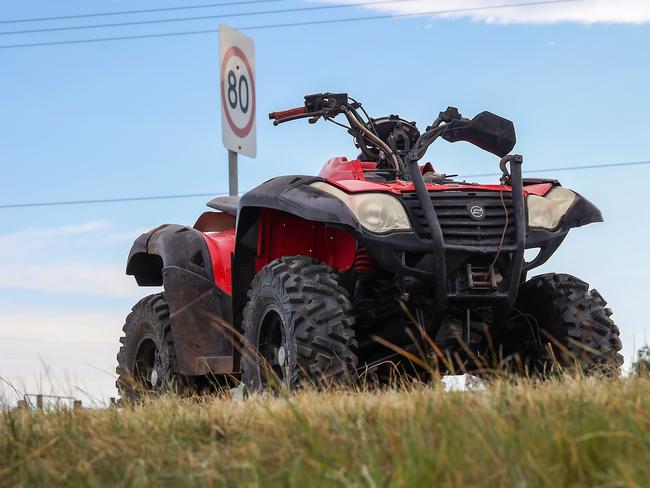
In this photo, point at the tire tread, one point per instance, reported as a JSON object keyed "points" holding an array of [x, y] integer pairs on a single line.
{"points": [[322, 321]]}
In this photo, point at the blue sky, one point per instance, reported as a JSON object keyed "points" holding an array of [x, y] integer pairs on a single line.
{"points": [[142, 117]]}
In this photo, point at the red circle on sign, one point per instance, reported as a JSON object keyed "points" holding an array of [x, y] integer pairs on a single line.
{"points": [[239, 132]]}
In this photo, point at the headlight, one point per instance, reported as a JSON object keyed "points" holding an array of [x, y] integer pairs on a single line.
{"points": [[376, 212], [547, 211]]}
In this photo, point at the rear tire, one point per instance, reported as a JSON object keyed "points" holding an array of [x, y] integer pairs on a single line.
{"points": [[572, 322], [298, 327], [147, 353]]}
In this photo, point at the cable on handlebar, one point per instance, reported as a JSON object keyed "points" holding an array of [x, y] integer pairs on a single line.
{"points": [[354, 120]]}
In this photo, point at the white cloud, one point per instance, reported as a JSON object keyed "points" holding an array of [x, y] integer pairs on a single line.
{"points": [[124, 236], [30, 239], [67, 259], [580, 11], [60, 327], [69, 277]]}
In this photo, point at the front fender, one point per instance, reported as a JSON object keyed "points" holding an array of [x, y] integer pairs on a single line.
{"points": [[582, 212], [164, 246], [294, 195]]}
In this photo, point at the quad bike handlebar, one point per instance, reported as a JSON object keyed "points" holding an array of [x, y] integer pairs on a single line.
{"points": [[395, 141], [326, 105]]}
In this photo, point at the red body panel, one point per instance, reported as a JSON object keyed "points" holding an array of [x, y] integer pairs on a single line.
{"points": [[282, 234], [342, 169], [349, 176], [221, 246], [539, 189]]}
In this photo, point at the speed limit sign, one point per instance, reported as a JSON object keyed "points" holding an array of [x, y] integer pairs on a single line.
{"points": [[237, 77]]}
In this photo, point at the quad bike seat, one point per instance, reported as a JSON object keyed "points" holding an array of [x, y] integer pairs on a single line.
{"points": [[229, 205]]}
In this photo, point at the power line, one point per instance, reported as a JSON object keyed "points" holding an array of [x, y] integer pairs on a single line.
{"points": [[111, 200], [289, 24], [569, 168], [208, 17], [143, 11], [194, 195]]}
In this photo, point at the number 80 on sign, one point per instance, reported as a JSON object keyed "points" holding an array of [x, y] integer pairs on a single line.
{"points": [[237, 78]]}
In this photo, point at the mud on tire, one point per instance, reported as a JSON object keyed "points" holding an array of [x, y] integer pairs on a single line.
{"points": [[298, 326], [574, 320], [146, 346]]}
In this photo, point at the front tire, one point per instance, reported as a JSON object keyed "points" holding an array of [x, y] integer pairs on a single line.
{"points": [[573, 323], [298, 327]]}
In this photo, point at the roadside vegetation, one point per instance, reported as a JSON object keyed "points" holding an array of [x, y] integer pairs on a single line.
{"points": [[562, 433]]}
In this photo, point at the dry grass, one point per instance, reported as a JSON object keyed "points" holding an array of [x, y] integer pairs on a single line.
{"points": [[569, 433]]}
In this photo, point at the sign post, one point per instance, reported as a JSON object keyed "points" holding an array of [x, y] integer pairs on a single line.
{"points": [[237, 79], [232, 173]]}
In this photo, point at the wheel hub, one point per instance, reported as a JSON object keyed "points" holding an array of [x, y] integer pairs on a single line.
{"points": [[154, 377], [281, 356]]}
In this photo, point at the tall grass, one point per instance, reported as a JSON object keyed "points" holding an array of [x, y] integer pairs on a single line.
{"points": [[564, 433]]}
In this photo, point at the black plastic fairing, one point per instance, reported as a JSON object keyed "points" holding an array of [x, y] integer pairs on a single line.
{"points": [[581, 212], [229, 205], [294, 195], [168, 245]]}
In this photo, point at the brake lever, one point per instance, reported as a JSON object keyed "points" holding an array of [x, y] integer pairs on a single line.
{"points": [[447, 116]]}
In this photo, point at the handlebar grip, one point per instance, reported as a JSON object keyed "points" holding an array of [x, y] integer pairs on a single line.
{"points": [[283, 114]]}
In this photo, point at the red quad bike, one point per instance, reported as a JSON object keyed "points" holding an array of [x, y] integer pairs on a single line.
{"points": [[306, 278]]}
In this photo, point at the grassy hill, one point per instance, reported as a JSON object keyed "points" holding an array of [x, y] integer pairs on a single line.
{"points": [[568, 433]]}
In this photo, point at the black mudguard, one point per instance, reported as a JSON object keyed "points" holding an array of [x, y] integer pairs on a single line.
{"points": [[294, 195], [582, 212], [177, 257]]}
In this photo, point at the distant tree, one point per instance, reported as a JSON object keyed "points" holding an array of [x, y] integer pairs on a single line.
{"points": [[641, 366]]}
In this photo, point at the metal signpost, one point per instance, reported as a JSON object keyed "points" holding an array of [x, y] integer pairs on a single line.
{"points": [[237, 76]]}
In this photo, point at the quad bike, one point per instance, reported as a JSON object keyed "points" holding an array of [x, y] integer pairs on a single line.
{"points": [[307, 278]]}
